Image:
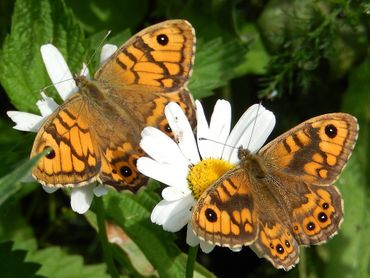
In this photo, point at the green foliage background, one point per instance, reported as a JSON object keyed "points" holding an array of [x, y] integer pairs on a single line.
{"points": [[302, 58]]}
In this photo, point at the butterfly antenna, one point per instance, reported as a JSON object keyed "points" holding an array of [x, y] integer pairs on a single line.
{"points": [[211, 140], [254, 124], [96, 50], [56, 83]]}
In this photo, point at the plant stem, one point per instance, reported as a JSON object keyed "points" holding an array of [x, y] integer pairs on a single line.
{"points": [[107, 251], [193, 251], [302, 268]]}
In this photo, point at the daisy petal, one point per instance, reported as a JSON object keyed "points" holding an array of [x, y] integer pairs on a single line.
{"points": [[49, 189], [265, 123], [191, 238], [261, 125], [202, 131], [170, 174], [107, 51], [47, 105], [161, 147], [100, 190], [85, 71], [25, 121], [219, 129], [171, 193], [173, 215], [58, 71], [206, 247], [219, 126], [182, 131], [81, 198]]}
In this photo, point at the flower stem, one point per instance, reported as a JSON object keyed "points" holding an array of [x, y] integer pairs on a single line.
{"points": [[193, 251], [107, 251]]}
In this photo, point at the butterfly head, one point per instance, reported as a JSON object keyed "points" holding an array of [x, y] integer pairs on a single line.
{"points": [[252, 163]]}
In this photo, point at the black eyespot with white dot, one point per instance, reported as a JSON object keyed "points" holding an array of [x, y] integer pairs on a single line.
{"points": [[322, 217], [125, 171], [162, 39], [167, 128], [325, 205], [331, 131], [310, 226], [280, 248], [211, 215], [50, 154], [287, 243]]}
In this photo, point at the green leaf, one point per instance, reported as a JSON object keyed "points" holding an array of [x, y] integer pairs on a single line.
{"points": [[12, 263], [34, 23], [58, 264], [131, 213], [216, 62], [11, 183]]}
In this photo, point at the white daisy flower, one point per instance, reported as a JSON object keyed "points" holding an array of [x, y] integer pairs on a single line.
{"points": [[61, 76], [191, 165]]}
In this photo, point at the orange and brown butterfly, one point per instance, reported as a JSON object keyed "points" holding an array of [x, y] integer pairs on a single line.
{"points": [[94, 135], [284, 195]]}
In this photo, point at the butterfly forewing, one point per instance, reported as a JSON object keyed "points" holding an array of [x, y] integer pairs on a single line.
{"points": [[316, 150], [224, 214], [158, 59], [74, 156]]}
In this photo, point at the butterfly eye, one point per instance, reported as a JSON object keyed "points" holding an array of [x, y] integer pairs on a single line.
{"points": [[50, 154], [211, 215], [125, 171], [162, 39], [331, 131]]}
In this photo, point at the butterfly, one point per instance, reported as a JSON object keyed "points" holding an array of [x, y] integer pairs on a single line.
{"points": [[283, 196], [94, 135]]}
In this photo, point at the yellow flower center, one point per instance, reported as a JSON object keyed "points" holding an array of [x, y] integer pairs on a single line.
{"points": [[205, 173]]}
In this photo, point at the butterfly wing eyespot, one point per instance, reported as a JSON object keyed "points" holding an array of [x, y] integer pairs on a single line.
{"points": [[316, 150], [224, 214], [119, 168]]}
